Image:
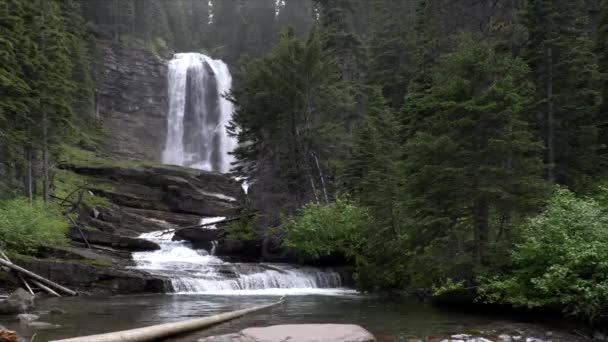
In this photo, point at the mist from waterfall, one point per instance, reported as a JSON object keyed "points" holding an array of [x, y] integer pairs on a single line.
{"points": [[198, 113]]}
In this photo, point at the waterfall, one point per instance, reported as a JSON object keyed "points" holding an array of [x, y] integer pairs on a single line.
{"points": [[198, 271], [198, 113]]}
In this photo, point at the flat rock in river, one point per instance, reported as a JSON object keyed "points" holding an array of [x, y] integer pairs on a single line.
{"points": [[298, 333]]}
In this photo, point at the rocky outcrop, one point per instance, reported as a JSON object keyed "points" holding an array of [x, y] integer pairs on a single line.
{"points": [[131, 100], [298, 333], [164, 189], [90, 278], [112, 240]]}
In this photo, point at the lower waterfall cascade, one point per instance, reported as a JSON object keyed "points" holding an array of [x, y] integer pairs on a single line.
{"points": [[199, 271]]}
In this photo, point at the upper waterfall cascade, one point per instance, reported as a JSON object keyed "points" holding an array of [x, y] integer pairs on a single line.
{"points": [[198, 113], [199, 271]]}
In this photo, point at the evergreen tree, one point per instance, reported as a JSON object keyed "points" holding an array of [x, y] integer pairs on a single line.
{"points": [[602, 52], [298, 14], [288, 105], [473, 156], [391, 48], [560, 53], [256, 27]]}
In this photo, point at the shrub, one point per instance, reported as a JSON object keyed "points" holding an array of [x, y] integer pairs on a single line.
{"points": [[320, 230], [561, 262], [24, 228]]}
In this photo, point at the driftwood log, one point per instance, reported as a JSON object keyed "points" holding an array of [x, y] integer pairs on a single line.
{"points": [[25, 283], [160, 331], [37, 277], [230, 219]]}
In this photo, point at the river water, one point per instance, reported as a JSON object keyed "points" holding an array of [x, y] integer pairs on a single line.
{"points": [[388, 319]]}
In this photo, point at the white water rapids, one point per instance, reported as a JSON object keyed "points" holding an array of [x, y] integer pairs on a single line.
{"points": [[197, 271]]}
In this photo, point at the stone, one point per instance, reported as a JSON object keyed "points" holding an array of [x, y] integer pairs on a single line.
{"points": [[57, 311], [8, 335], [599, 336], [298, 333], [17, 302], [504, 338], [26, 318]]}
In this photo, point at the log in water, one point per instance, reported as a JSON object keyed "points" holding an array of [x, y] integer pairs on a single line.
{"points": [[168, 329]]}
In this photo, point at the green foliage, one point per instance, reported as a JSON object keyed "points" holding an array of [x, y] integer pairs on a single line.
{"points": [[561, 261], [320, 230], [472, 157], [243, 229], [25, 227]]}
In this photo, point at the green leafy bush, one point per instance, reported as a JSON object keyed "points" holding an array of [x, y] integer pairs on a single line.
{"points": [[24, 228], [320, 230], [561, 262]]}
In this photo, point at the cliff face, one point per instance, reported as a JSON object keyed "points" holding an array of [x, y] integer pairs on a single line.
{"points": [[131, 100]]}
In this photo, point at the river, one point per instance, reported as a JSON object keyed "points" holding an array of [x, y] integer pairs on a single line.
{"points": [[389, 319]]}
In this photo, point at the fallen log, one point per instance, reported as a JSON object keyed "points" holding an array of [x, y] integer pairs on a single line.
{"points": [[203, 225], [45, 288], [25, 283], [160, 331], [37, 277]]}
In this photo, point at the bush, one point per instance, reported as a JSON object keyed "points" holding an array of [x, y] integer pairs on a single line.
{"points": [[320, 230], [561, 262], [24, 228]]}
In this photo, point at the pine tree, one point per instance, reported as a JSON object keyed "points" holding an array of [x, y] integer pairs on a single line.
{"points": [[474, 155], [370, 174], [297, 14], [560, 53], [391, 48], [288, 104], [602, 53]]}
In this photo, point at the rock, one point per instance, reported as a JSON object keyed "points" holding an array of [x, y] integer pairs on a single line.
{"points": [[504, 338], [57, 311], [111, 240], [201, 238], [26, 318], [42, 326], [95, 278], [17, 302], [599, 336], [131, 100], [298, 333], [8, 335]]}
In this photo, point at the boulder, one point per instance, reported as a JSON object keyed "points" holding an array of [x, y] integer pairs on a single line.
{"points": [[18, 302], [115, 241], [8, 335], [201, 238], [298, 333]]}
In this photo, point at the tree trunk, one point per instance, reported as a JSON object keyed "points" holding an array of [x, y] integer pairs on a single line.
{"points": [[550, 117], [45, 158], [481, 213], [322, 178], [29, 184]]}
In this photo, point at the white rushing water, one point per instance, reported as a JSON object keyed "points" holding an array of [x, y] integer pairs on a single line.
{"points": [[198, 113], [198, 271]]}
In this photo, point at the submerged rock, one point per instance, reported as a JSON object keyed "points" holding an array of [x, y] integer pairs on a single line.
{"points": [[8, 335], [26, 318], [298, 333], [18, 302]]}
